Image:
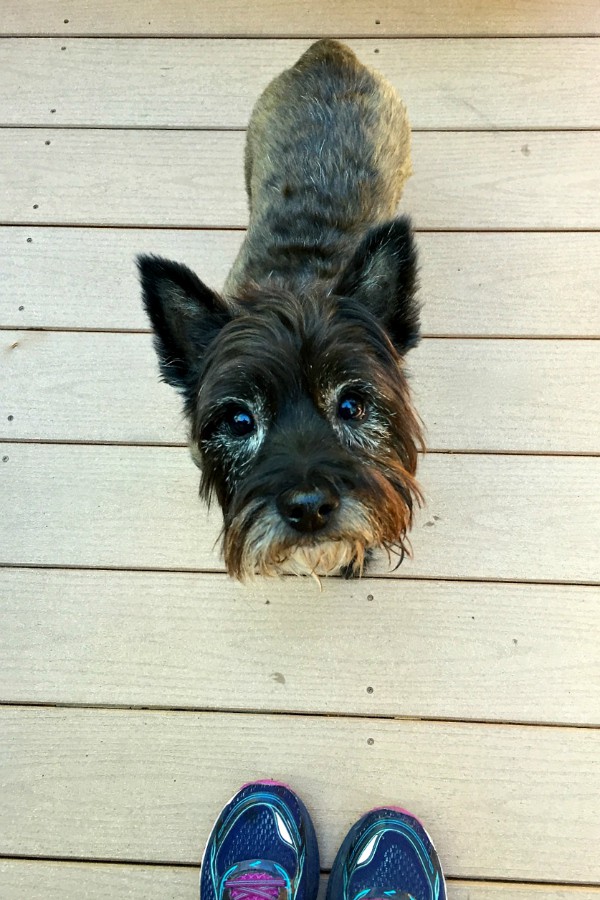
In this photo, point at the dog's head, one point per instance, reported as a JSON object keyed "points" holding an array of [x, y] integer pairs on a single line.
{"points": [[299, 409]]}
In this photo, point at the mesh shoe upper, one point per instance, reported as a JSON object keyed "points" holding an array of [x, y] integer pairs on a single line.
{"points": [[262, 847], [387, 855]]}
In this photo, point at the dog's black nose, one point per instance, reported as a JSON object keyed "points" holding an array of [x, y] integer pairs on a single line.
{"points": [[308, 510]]}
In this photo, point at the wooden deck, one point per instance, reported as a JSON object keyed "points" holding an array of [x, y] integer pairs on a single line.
{"points": [[138, 685]]}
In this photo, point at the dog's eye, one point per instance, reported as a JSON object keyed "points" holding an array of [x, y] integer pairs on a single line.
{"points": [[351, 407], [240, 421]]}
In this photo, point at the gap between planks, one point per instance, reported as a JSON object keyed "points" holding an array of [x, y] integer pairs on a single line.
{"points": [[421, 229], [376, 576], [64, 329], [174, 445], [538, 129], [457, 882], [306, 36], [313, 714]]}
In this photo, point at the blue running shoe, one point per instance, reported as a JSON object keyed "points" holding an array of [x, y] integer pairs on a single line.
{"points": [[263, 847], [387, 855]]}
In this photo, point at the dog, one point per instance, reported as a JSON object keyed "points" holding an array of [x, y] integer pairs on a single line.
{"points": [[293, 378]]}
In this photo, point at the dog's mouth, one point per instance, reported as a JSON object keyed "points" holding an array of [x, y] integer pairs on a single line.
{"points": [[320, 558], [326, 558], [258, 541], [260, 538]]}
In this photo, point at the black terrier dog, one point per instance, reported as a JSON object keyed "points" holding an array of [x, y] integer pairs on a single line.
{"points": [[293, 380]]}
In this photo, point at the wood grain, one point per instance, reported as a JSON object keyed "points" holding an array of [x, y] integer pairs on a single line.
{"points": [[477, 180], [499, 517], [457, 84], [27, 879], [510, 652], [123, 785], [519, 396], [472, 284], [22, 879], [266, 17]]}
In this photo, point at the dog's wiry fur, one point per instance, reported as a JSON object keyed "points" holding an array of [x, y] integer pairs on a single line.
{"points": [[304, 349]]}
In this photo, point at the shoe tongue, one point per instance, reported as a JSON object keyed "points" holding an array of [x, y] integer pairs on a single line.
{"points": [[256, 880]]}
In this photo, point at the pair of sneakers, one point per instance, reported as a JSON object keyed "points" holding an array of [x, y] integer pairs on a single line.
{"points": [[263, 847]]}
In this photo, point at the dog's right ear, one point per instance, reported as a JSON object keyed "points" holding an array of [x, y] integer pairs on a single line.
{"points": [[382, 276], [185, 315]]}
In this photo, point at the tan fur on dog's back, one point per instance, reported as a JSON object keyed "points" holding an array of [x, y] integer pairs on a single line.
{"points": [[328, 143]]}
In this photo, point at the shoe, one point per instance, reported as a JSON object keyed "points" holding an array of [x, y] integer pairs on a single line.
{"points": [[262, 847], [387, 855]]}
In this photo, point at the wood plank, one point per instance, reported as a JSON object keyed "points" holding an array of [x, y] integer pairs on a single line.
{"points": [[458, 84], [124, 785], [510, 652], [264, 17], [541, 396], [499, 517], [87, 278], [473, 284], [28, 879], [485, 395], [25, 879], [476, 180]]}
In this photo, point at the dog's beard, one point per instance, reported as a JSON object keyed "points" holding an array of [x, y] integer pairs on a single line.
{"points": [[258, 542]]}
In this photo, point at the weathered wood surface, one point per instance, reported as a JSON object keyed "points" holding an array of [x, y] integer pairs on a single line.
{"points": [[462, 180], [516, 518], [25, 879], [269, 18], [479, 283], [459, 84], [124, 785], [502, 652], [498, 396]]}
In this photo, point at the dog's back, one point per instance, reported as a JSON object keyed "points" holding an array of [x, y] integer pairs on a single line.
{"points": [[327, 155]]}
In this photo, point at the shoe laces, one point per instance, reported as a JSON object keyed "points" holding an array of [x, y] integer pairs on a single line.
{"points": [[256, 885], [387, 895]]}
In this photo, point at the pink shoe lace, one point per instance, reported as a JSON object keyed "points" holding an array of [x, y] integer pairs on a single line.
{"points": [[256, 885]]}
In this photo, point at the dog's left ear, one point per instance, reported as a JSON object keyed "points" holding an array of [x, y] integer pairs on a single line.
{"points": [[382, 276], [186, 316]]}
